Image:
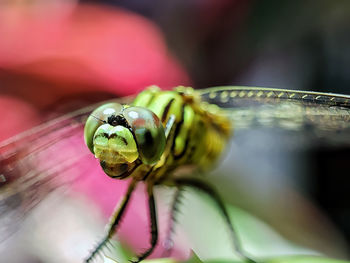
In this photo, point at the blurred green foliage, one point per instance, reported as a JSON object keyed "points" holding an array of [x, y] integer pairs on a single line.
{"points": [[211, 243]]}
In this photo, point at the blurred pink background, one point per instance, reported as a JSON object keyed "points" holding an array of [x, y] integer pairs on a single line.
{"points": [[57, 56], [52, 52]]}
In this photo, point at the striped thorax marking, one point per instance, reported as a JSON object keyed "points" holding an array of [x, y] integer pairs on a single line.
{"points": [[132, 133]]}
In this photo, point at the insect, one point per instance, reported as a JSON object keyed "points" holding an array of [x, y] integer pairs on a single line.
{"points": [[176, 124], [131, 142]]}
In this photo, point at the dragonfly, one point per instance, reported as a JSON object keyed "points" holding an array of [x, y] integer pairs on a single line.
{"points": [[31, 168]]}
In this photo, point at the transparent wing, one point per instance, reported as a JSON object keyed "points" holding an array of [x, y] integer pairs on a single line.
{"points": [[35, 162], [323, 116], [284, 142], [48, 156]]}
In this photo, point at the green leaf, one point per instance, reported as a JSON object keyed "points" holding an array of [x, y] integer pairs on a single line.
{"points": [[304, 259], [209, 238]]}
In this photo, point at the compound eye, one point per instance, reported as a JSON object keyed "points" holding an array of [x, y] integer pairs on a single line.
{"points": [[148, 131], [97, 118]]}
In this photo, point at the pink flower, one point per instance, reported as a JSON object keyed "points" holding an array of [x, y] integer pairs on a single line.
{"points": [[50, 53], [54, 52]]}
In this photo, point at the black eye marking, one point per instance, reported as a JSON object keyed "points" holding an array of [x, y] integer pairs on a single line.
{"points": [[148, 137], [117, 120], [103, 135], [119, 137]]}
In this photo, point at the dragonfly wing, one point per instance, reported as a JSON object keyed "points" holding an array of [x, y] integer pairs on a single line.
{"points": [[287, 143], [38, 161], [322, 115]]}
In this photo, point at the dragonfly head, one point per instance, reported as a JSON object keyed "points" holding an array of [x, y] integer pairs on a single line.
{"points": [[122, 136]]}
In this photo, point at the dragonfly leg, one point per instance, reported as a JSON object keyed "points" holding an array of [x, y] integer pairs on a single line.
{"points": [[196, 183], [154, 227], [168, 243], [114, 222]]}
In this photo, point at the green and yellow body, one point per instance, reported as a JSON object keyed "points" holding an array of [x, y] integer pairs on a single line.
{"points": [[198, 136], [195, 138]]}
